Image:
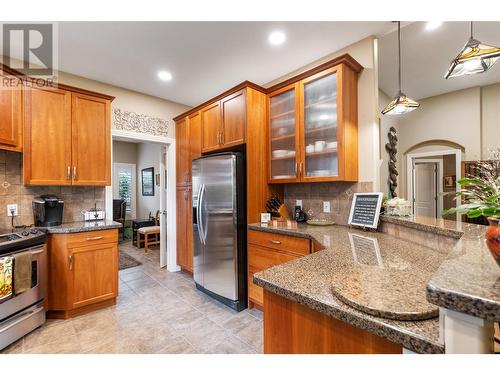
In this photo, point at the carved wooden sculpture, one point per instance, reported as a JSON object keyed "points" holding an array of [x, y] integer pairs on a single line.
{"points": [[393, 173]]}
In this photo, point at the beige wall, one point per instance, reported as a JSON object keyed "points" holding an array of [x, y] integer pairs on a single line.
{"points": [[364, 52], [454, 117], [124, 152], [490, 118], [148, 155]]}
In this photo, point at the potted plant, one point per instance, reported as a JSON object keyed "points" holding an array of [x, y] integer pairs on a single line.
{"points": [[480, 196]]}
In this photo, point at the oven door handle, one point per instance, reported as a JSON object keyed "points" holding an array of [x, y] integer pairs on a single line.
{"points": [[28, 315]]}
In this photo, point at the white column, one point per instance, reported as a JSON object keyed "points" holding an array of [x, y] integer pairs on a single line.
{"points": [[465, 334]]}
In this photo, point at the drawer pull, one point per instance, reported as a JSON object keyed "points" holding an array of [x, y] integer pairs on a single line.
{"points": [[94, 238], [276, 242]]}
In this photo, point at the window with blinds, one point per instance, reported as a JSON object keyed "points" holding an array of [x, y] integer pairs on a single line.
{"points": [[125, 187]]}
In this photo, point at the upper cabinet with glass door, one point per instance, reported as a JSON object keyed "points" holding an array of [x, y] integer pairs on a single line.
{"points": [[325, 132], [283, 134]]}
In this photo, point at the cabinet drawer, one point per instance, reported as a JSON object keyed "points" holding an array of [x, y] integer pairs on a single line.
{"points": [[260, 258], [300, 246], [92, 238]]}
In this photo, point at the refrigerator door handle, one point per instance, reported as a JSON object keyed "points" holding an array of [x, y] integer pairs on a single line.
{"points": [[201, 230]]}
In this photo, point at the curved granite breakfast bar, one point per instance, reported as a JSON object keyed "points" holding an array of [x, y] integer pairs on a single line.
{"points": [[396, 270]]}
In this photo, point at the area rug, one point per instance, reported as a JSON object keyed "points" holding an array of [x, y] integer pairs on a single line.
{"points": [[126, 261]]}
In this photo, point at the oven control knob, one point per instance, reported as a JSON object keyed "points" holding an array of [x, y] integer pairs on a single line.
{"points": [[25, 232], [33, 231]]}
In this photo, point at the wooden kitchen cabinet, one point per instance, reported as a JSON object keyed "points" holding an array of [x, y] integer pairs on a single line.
{"points": [[194, 122], [313, 126], [67, 137], [11, 113], [239, 113], [182, 155], [266, 250], [184, 228], [47, 137], [210, 127], [224, 122], [233, 126], [91, 140], [83, 272]]}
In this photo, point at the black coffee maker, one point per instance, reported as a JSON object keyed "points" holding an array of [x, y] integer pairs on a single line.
{"points": [[47, 211]]}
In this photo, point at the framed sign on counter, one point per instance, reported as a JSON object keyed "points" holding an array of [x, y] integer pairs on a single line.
{"points": [[365, 210]]}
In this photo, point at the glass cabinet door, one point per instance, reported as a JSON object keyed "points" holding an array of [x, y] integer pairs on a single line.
{"points": [[283, 135], [320, 128]]}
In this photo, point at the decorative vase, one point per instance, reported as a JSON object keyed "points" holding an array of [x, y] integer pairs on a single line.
{"points": [[493, 238]]}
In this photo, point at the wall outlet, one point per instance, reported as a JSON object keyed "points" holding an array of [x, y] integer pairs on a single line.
{"points": [[298, 202], [326, 206], [12, 210]]}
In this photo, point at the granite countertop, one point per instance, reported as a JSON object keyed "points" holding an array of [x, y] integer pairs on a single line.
{"points": [[366, 285], [468, 280], [82, 226], [439, 226]]}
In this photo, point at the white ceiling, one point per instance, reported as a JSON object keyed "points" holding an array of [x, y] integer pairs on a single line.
{"points": [[205, 58], [426, 56]]}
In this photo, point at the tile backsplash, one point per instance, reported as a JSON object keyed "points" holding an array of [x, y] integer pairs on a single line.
{"points": [[339, 194], [12, 191]]}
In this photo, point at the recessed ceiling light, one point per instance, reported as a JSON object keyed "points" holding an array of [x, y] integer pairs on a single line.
{"points": [[164, 75], [276, 38], [432, 25]]}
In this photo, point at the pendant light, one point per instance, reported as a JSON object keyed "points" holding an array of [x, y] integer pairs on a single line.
{"points": [[401, 104], [475, 57]]}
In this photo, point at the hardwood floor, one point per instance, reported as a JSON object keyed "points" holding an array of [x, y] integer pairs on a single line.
{"points": [[156, 312]]}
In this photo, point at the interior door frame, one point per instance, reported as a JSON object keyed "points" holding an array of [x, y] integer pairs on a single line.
{"points": [[168, 243], [439, 183], [429, 154]]}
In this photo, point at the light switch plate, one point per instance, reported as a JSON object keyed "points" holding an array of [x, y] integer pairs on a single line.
{"points": [[326, 206], [298, 202], [10, 208]]}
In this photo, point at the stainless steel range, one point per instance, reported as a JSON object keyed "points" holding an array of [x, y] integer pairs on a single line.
{"points": [[23, 312]]}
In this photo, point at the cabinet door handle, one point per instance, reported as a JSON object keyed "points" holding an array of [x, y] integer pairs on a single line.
{"points": [[218, 137], [68, 173], [276, 242], [300, 169], [74, 172], [296, 168], [221, 137], [70, 262], [94, 238]]}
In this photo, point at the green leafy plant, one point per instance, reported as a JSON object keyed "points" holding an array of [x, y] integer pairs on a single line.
{"points": [[480, 195]]}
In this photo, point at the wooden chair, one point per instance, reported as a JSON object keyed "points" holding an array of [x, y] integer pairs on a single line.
{"points": [[150, 235]]}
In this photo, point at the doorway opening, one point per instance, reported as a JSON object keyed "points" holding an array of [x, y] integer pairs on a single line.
{"points": [[143, 183], [431, 182]]}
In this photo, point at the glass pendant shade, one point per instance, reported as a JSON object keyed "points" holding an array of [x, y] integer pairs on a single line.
{"points": [[400, 105], [475, 57]]}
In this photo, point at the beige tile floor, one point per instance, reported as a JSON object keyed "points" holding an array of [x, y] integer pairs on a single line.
{"points": [[157, 312]]}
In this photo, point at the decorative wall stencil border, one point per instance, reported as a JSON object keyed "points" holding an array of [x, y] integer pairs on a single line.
{"points": [[131, 121]]}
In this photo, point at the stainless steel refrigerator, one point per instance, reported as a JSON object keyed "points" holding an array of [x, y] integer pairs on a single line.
{"points": [[219, 227]]}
